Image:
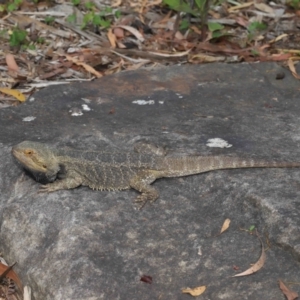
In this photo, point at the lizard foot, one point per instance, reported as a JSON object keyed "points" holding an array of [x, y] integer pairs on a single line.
{"points": [[143, 198], [140, 202], [46, 188]]}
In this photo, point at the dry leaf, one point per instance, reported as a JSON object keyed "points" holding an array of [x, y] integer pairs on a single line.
{"points": [[197, 291], [264, 7], [292, 68], [241, 21], [133, 31], [11, 274], [178, 54], [257, 266], [11, 63], [237, 7], [25, 21], [84, 65], [118, 32], [152, 3], [112, 38], [116, 3], [15, 93], [278, 38], [290, 295], [201, 58], [225, 225], [279, 57]]}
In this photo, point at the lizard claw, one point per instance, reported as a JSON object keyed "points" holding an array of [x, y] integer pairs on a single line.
{"points": [[141, 201], [45, 189], [143, 198]]}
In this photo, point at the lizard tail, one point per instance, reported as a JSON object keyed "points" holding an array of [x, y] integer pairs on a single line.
{"points": [[189, 165]]}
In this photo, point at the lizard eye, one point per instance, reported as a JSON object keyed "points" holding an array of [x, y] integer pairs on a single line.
{"points": [[28, 152], [44, 166]]}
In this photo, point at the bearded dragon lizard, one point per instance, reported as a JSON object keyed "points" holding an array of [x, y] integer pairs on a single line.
{"points": [[68, 169]]}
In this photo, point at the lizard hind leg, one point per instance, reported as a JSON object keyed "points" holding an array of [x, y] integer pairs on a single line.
{"points": [[141, 182]]}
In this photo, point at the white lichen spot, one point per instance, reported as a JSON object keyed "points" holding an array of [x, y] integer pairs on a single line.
{"points": [[143, 102], [179, 95], [131, 235], [161, 102], [76, 112], [86, 100], [199, 250], [218, 143], [31, 99], [29, 119], [85, 107]]}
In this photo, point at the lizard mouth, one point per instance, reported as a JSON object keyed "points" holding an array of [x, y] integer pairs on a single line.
{"points": [[27, 162]]}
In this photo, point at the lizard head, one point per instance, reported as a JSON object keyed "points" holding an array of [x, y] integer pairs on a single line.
{"points": [[37, 158]]}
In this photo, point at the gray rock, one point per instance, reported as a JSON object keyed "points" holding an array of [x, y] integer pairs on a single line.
{"points": [[84, 244]]}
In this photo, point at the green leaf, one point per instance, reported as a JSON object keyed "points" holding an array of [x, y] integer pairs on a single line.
{"points": [[251, 228], [201, 4], [87, 19], [11, 7], [294, 3], [184, 24], [40, 40], [31, 47], [105, 23], [89, 5], [214, 26], [181, 6], [71, 18], [117, 14], [97, 20], [217, 34], [108, 10], [76, 2], [49, 19], [254, 52], [17, 37], [256, 26]]}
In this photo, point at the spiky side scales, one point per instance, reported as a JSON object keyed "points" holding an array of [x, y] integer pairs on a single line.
{"points": [[67, 169]]}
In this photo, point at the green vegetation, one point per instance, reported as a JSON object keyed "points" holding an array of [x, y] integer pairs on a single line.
{"points": [[18, 37], [252, 227], [294, 4], [75, 2], [49, 19], [255, 29], [10, 6], [199, 10], [92, 16], [216, 29]]}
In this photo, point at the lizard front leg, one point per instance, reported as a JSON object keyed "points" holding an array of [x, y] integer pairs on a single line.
{"points": [[71, 181], [141, 182]]}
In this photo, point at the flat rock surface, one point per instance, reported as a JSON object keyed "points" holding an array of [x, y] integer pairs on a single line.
{"points": [[85, 244]]}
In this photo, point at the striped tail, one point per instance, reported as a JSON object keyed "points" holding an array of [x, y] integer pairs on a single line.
{"points": [[189, 165]]}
